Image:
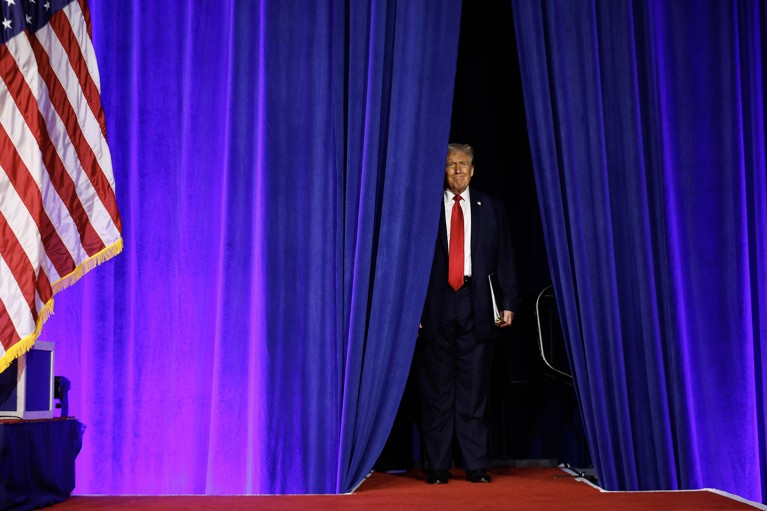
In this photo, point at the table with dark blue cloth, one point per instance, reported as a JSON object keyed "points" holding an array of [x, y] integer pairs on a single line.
{"points": [[37, 461]]}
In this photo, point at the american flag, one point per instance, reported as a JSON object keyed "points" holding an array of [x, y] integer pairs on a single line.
{"points": [[58, 212]]}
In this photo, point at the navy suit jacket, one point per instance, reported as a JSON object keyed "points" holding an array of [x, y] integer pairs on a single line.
{"points": [[491, 252]]}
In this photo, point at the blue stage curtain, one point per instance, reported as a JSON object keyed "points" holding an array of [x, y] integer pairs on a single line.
{"points": [[647, 128], [278, 165]]}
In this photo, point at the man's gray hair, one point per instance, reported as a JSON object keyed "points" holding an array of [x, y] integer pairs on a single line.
{"points": [[462, 148]]}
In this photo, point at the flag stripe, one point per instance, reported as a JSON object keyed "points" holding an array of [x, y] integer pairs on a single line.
{"points": [[80, 21], [88, 124], [25, 101], [18, 312], [63, 30], [43, 287], [29, 192], [86, 13], [22, 224], [71, 77], [60, 102], [20, 266], [7, 331]]}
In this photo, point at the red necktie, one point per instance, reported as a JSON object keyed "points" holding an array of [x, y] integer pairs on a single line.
{"points": [[455, 252]]}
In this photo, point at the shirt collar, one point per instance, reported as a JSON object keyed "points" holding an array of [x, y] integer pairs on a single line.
{"points": [[448, 196]]}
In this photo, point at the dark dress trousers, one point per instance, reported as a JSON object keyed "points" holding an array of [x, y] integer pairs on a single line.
{"points": [[454, 349]]}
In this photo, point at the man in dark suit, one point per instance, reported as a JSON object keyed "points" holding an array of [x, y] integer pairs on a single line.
{"points": [[457, 325]]}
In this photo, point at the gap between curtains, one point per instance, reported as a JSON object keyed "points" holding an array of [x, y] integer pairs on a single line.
{"points": [[279, 168], [647, 132]]}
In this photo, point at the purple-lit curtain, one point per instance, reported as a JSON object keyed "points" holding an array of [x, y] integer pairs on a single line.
{"points": [[277, 164], [647, 128]]}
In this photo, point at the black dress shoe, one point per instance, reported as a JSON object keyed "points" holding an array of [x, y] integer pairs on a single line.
{"points": [[478, 476], [438, 477]]}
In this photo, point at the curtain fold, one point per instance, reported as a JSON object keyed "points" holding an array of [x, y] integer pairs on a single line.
{"points": [[647, 132], [277, 166]]}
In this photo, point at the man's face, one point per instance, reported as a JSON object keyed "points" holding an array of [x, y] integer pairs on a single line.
{"points": [[458, 171]]}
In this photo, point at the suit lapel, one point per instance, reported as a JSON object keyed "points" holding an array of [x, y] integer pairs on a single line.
{"points": [[476, 219]]}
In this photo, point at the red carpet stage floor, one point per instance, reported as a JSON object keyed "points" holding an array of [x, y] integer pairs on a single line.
{"points": [[512, 488]]}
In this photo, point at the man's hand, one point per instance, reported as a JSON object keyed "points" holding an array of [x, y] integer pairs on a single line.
{"points": [[507, 317]]}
